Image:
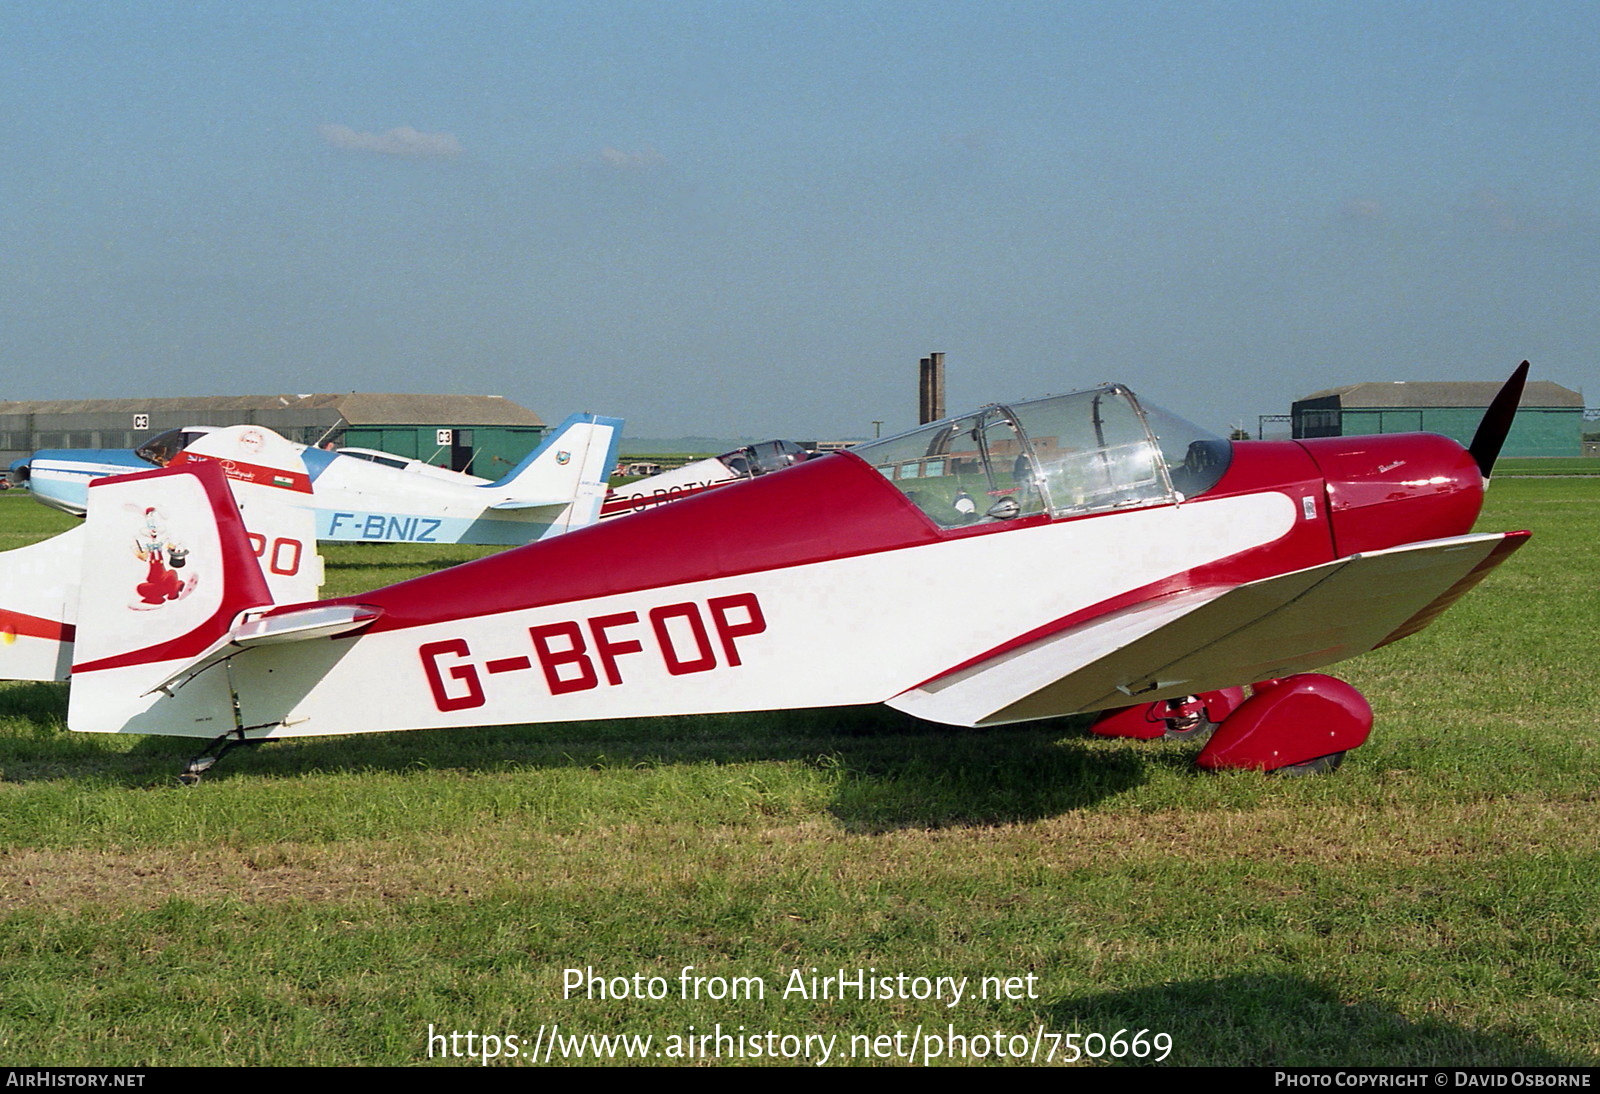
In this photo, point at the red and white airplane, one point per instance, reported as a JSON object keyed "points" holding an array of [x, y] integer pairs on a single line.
{"points": [[1086, 552], [701, 475]]}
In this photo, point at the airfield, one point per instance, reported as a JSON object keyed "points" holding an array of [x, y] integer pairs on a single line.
{"points": [[332, 901]]}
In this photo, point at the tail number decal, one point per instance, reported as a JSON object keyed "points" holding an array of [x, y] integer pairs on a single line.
{"points": [[283, 558], [661, 495], [381, 526], [575, 655]]}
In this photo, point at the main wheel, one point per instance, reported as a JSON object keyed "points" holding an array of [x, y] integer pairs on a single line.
{"points": [[1189, 727], [1195, 728]]}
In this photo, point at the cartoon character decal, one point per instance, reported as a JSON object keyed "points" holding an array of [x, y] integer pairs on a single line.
{"points": [[165, 557]]}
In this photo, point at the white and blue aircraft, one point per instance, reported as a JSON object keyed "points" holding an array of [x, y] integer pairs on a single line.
{"points": [[559, 486]]}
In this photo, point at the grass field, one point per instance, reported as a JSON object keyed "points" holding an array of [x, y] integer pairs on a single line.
{"points": [[326, 901], [1570, 465]]}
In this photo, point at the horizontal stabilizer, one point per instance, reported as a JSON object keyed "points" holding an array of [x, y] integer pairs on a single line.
{"points": [[291, 625], [299, 624], [535, 504]]}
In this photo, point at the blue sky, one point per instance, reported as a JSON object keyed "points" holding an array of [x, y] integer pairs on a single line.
{"points": [[753, 218]]}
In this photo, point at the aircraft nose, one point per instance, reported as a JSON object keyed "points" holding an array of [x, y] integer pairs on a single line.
{"points": [[1389, 489]]}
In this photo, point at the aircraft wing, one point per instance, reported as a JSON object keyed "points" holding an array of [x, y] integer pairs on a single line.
{"points": [[1216, 637]]}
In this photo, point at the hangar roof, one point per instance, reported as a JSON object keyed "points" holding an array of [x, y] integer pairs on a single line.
{"points": [[356, 407], [1445, 393]]}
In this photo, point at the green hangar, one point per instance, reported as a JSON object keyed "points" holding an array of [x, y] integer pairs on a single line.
{"points": [[483, 434], [1549, 421]]}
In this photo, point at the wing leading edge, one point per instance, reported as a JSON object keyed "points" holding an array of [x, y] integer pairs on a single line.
{"points": [[1212, 638]]}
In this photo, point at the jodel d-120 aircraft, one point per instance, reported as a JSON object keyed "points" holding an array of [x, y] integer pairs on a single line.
{"points": [[558, 487], [1079, 553]]}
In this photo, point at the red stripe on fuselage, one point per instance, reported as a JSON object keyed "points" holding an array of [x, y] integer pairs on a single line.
{"points": [[1256, 467]]}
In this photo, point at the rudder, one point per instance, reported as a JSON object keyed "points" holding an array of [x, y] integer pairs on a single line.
{"points": [[168, 567]]}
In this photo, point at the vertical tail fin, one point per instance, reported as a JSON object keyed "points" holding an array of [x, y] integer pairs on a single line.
{"points": [[39, 607], [269, 481], [169, 566], [571, 466]]}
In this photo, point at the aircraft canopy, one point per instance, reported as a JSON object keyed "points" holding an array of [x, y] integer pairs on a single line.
{"points": [[1065, 455]]}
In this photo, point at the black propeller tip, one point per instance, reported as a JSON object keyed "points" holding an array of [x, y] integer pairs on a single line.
{"points": [[1496, 423]]}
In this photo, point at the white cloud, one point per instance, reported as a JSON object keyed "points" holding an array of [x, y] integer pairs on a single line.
{"points": [[403, 141]]}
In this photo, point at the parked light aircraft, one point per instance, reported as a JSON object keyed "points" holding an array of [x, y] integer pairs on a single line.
{"points": [[701, 475], [416, 467], [1078, 553], [558, 487]]}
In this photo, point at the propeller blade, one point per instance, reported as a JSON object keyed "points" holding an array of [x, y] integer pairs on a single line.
{"points": [[1491, 434]]}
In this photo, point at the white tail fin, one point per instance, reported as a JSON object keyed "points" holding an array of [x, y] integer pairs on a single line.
{"points": [[270, 483], [168, 568], [570, 467], [39, 607]]}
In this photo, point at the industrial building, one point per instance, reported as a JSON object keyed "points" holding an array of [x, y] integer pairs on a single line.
{"points": [[484, 434], [1549, 421]]}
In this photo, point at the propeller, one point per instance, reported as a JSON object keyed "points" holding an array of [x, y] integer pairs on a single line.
{"points": [[1496, 423]]}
